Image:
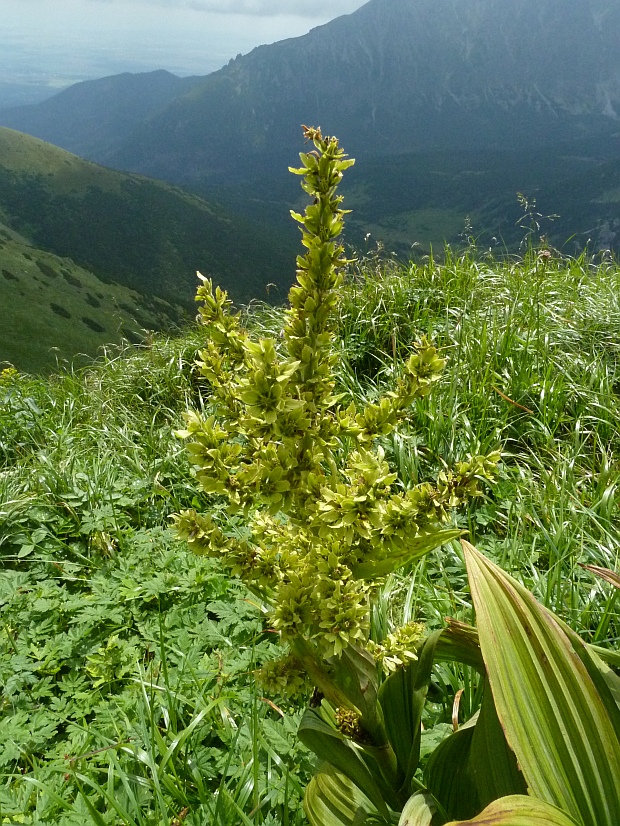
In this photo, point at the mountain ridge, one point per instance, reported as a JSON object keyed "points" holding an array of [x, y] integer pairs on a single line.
{"points": [[126, 227], [402, 79], [88, 117], [388, 78], [393, 76]]}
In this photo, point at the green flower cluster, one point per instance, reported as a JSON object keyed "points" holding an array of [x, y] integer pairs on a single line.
{"points": [[323, 516], [348, 723], [285, 676], [399, 647]]}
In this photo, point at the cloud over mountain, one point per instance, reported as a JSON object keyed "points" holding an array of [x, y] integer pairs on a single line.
{"points": [[262, 8]]}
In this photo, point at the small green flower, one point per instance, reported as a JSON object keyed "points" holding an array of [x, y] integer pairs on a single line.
{"points": [[399, 647], [285, 676]]}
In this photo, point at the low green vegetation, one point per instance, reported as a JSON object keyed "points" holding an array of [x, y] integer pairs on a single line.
{"points": [[129, 666], [58, 313], [325, 520]]}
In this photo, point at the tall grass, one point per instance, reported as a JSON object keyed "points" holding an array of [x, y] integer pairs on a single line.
{"points": [[533, 349]]}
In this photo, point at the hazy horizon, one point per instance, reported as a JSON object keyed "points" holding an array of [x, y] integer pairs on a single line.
{"points": [[46, 46]]}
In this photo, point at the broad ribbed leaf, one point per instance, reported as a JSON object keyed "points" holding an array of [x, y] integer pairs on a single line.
{"points": [[330, 745], [549, 706], [612, 682], [459, 643], [448, 773], [331, 799], [606, 681], [518, 810], [419, 810], [604, 573], [493, 764], [402, 697], [608, 655], [416, 549], [355, 672]]}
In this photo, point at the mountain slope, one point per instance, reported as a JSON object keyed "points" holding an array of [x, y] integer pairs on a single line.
{"points": [[396, 76], [54, 311], [459, 104], [92, 117], [145, 234]]}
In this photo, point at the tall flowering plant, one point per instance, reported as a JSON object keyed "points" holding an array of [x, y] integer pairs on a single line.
{"points": [[323, 518]]}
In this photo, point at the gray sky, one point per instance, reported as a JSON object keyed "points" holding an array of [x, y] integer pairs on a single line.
{"points": [[68, 40]]}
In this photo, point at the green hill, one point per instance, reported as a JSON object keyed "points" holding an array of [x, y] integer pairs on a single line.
{"points": [[90, 117], [117, 643], [143, 233], [134, 246], [56, 311]]}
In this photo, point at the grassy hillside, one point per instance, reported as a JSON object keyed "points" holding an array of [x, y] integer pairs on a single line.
{"points": [[144, 234], [430, 198], [55, 311], [127, 664]]}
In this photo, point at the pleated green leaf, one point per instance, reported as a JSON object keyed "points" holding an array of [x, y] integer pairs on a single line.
{"points": [[331, 799], [355, 672], [402, 697], [416, 549], [612, 682], [606, 681], [459, 643], [604, 573], [331, 746], [448, 773], [550, 709], [493, 764], [518, 810], [608, 655], [419, 810]]}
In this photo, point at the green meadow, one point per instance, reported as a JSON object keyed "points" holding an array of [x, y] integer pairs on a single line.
{"points": [[128, 664]]}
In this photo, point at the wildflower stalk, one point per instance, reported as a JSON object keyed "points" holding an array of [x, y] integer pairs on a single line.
{"points": [[323, 520]]}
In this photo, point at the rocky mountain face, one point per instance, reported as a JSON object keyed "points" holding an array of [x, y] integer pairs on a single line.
{"points": [[394, 76], [397, 76], [413, 88]]}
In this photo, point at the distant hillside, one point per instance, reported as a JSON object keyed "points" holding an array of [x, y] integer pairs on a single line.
{"points": [[458, 104], [394, 76], [145, 234], [54, 311], [91, 118], [427, 198], [398, 76]]}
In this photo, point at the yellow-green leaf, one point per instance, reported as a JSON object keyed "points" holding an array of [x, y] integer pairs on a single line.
{"points": [[416, 549], [419, 810], [518, 810], [330, 745], [604, 573], [550, 709], [331, 799], [402, 697]]}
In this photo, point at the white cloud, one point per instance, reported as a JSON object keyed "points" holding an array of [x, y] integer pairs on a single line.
{"points": [[71, 40], [261, 8]]}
